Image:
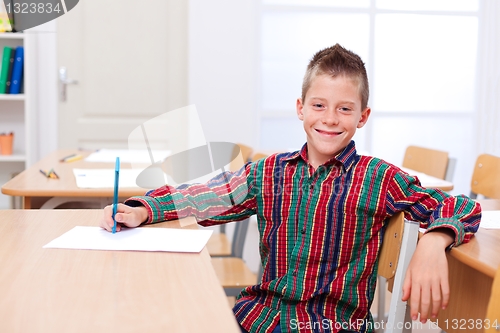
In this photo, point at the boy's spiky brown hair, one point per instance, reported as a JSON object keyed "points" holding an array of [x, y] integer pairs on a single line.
{"points": [[335, 61]]}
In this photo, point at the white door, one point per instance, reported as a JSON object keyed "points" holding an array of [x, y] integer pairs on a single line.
{"points": [[129, 59]]}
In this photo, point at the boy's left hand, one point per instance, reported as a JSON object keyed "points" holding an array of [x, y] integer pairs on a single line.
{"points": [[426, 284]]}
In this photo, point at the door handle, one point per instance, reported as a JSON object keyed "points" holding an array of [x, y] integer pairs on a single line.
{"points": [[63, 82]]}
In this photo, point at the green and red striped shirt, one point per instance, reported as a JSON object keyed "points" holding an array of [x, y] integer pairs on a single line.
{"points": [[320, 232]]}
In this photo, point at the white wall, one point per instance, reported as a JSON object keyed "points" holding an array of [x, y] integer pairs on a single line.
{"points": [[222, 66], [47, 88], [223, 51]]}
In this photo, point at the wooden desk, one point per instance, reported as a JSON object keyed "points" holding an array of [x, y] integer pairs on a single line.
{"points": [[58, 290], [472, 268], [49, 193], [31, 184]]}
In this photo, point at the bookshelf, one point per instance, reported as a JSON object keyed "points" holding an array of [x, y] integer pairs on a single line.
{"points": [[17, 111]]}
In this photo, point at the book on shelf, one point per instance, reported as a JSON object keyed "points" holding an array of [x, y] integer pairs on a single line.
{"points": [[9, 74], [17, 71], [4, 71]]}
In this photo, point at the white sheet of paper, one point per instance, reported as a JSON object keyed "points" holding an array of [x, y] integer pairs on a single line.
{"points": [[127, 156], [135, 239], [490, 219], [105, 178], [426, 180]]}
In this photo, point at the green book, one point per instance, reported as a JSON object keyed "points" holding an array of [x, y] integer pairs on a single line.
{"points": [[4, 73]]}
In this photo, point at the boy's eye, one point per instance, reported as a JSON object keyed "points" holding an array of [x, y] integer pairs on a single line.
{"points": [[345, 109], [317, 105]]}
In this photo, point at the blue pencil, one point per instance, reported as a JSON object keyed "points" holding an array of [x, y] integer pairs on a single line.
{"points": [[115, 196]]}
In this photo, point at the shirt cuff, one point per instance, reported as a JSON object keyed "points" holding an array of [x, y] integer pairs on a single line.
{"points": [[151, 204], [451, 224]]}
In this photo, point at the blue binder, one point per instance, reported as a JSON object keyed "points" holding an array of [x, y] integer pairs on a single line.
{"points": [[17, 71]]}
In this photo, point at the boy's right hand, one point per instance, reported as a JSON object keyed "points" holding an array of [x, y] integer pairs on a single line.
{"points": [[125, 215]]}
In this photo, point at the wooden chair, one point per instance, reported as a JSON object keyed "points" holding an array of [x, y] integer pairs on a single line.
{"points": [[429, 161], [399, 244], [232, 272], [219, 244], [222, 245], [246, 153], [486, 177], [258, 156]]}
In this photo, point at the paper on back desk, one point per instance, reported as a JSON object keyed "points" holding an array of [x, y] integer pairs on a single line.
{"points": [[104, 178], [127, 155], [135, 239], [426, 180], [490, 219]]}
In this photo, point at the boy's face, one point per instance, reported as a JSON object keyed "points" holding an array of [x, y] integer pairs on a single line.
{"points": [[331, 113]]}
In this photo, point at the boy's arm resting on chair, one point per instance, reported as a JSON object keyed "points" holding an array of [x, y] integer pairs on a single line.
{"points": [[449, 221], [226, 197]]}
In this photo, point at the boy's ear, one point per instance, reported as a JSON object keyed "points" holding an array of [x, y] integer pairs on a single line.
{"points": [[364, 117], [300, 107]]}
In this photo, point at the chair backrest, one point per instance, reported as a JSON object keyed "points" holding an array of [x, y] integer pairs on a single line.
{"points": [[258, 156], [429, 161], [241, 227], [399, 244], [391, 245], [246, 153], [486, 177]]}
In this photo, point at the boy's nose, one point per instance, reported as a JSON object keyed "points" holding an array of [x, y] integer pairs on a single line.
{"points": [[330, 118]]}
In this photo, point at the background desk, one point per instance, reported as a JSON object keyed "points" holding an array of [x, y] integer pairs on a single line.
{"points": [[472, 268], [430, 181], [38, 190], [58, 290]]}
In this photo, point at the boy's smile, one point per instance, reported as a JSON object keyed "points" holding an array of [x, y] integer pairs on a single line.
{"points": [[331, 113]]}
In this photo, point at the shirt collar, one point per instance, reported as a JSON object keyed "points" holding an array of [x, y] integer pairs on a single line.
{"points": [[346, 157]]}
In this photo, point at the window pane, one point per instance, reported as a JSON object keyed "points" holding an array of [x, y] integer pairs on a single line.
{"points": [[326, 3], [391, 136], [424, 63], [289, 40], [449, 5]]}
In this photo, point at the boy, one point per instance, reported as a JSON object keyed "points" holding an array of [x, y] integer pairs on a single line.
{"points": [[321, 213]]}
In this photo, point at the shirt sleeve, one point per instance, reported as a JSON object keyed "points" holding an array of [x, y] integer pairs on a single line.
{"points": [[433, 208], [225, 198]]}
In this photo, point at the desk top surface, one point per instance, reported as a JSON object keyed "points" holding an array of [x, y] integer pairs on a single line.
{"points": [[32, 183], [59, 290], [482, 252]]}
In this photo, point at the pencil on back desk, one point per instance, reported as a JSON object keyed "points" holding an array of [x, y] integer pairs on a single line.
{"points": [[71, 158]]}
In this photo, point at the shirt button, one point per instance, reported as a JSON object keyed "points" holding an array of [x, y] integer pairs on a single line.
{"points": [[294, 273], [303, 231]]}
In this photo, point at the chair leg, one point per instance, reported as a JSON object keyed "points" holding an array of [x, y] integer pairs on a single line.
{"points": [[381, 290], [399, 320]]}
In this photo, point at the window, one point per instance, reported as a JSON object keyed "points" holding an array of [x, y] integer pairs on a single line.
{"points": [[421, 61]]}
